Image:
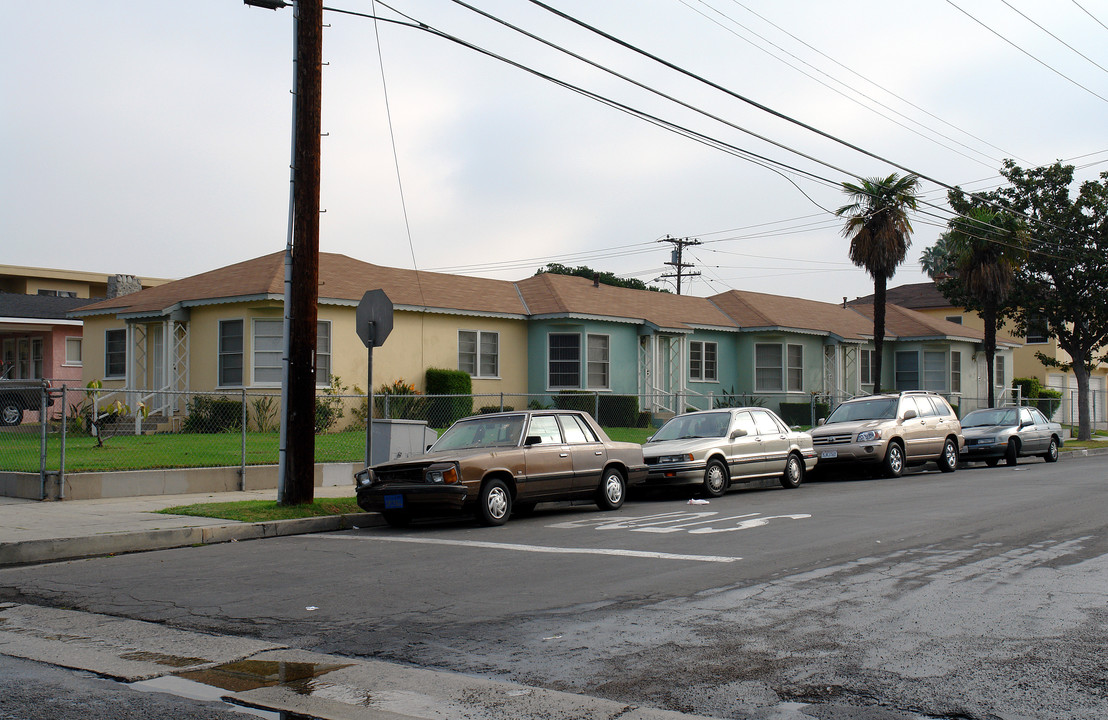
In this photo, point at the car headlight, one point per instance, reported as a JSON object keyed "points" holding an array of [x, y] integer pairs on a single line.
{"points": [[986, 441], [363, 477], [869, 435], [686, 457], [442, 475]]}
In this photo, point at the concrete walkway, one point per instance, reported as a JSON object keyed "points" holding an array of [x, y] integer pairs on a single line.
{"points": [[32, 531]]}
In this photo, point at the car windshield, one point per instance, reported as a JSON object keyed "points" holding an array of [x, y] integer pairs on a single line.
{"points": [[874, 409], [708, 425], [988, 418], [499, 431]]}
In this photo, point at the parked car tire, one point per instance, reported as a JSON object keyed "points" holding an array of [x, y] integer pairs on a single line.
{"points": [[397, 518], [1011, 453], [715, 478], [10, 413], [495, 504], [1051, 454], [948, 461], [794, 472], [992, 462], [893, 465], [612, 490]]}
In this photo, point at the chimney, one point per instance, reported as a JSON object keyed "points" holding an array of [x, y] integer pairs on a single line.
{"points": [[119, 285], [844, 302], [596, 279]]}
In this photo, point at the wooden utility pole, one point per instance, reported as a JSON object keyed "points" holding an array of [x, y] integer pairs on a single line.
{"points": [[677, 259], [299, 486]]}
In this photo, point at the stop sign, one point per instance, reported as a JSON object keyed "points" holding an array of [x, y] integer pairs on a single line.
{"points": [[373, 319]]}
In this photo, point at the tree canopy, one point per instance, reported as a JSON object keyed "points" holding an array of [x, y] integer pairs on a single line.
{"points": [[606, 278]]}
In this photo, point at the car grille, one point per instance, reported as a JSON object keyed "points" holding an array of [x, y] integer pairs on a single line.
{"points": [[411, 474], [832, 439]]}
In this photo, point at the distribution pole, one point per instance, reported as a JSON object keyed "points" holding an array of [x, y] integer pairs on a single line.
{"points": [[676, 259], [299, 487]]}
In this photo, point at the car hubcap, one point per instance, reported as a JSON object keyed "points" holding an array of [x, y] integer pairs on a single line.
{"points": [[794, 471], [951, 455], [895, 461], [614, 488], [498, 503], [11, 414], [715, 478]]}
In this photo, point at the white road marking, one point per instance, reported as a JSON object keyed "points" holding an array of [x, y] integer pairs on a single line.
{"points": [[680, 521], [538, 548]]}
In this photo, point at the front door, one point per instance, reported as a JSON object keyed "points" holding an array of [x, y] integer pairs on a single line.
{"points": [[549, 465]]}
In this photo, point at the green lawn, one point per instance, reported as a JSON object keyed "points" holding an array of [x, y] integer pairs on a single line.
{"points": [[266, 510]]}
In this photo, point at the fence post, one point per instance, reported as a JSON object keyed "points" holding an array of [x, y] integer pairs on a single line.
{"points": [[61, 463], [42, 445], [501, 402], [812, 411], [596, 405], [242, 455], [387, 399]]}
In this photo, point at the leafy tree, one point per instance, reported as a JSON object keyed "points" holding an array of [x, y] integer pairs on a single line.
{"points": [[1065, 274], [937, 260], [983, 249], [606, 278], [878, 228]]}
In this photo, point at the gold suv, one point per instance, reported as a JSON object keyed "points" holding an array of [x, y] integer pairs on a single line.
{"points": [[891, 431]]}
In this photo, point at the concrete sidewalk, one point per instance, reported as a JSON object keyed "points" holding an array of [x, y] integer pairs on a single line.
{"points": [[32, 531]]}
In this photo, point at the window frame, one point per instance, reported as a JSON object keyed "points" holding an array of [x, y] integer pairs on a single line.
{"points": [[223, 355], [703, 369], [479, 355], [956, 372], [779, 367], [897, 372], [576, 362], [790, 368], [254, 352], [1038, 320], [605, 364], [119, 355], [69, 361], [323, 380], [865, 365]]}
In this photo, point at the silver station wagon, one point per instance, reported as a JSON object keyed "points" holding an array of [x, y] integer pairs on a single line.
{"points": [[731, 447]]}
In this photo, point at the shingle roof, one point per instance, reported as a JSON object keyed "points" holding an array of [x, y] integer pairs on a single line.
{"points": [[342, 280], [760, 310], [38, 307], [904, 324], [552, 294], [916, 296]]}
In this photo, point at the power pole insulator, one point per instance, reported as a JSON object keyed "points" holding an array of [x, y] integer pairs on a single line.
{"points": [[677, 259]]}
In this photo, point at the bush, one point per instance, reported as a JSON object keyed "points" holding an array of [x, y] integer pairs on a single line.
{"points": [[328, 406], [213, 415], [575, 400], [800, 413], [443, 411], [399, 401], [1045, 399], [619, 411], [490, 409]]}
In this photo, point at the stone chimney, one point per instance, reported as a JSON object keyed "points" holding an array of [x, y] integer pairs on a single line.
{"points": [[119, 285]]}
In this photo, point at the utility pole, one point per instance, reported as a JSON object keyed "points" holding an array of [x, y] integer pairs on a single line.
{"points": [[299, 486], [676, 259]]}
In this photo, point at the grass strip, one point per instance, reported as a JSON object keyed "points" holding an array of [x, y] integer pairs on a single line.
{"points": [[266, 510]]}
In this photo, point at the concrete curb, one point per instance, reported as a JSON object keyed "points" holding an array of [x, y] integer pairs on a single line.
{"points": [[75, 548], [1081, 452]]}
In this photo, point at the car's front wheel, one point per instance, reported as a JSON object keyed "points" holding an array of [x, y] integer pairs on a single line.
{"points": [[613, 489], [894, 461], [495, 504], [715, 479], [948, 461], [1051, 454], [1011, 453], [794, 472], [10, 413]]}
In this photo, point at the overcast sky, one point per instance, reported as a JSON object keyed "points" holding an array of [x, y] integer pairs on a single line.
{"points": [[153, 138]]}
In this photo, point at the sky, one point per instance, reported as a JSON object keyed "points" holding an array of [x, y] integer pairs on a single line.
{"points": [[153, 138]]}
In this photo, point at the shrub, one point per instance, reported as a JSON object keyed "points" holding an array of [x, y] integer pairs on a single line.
{"points": [[443, 411], [213, 415], [1046, 399], [490, 409], [619, 411], [800, 413], [575, 400], [265, 412], [328, 405], [399, 401]]}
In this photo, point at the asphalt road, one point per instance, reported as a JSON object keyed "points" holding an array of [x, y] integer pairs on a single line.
{"points": [[978, 594]]}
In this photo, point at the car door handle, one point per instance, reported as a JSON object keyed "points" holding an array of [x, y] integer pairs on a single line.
{"points": [[598, 452], [563, 454]]}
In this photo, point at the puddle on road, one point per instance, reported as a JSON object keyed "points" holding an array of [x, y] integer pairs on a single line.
{"points": [[213, 684]]}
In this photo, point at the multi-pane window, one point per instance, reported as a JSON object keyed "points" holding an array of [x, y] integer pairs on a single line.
{"points": [[323, 352], [73, 351], [230, 353], [956, 319], [598, 363], [907, 370], [36, 358], [865, 362], [564, 360], [998, 376], [1037, 331], [702, 361], [934, 370], [115, 353], [768, 367], [955, 371], [268, 344], [796, 368], [479, 353]]}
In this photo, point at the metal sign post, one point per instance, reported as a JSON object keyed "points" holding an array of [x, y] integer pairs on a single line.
{"points": [[373, 321]]}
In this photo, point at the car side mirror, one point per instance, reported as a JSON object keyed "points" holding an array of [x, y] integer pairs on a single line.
{"points": [[909, 414], [738, 433], [533, 440], [429, 447], [820, 422]]}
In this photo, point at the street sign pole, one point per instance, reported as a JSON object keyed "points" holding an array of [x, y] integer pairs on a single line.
{"points": [[369, 402], [373, 323]]}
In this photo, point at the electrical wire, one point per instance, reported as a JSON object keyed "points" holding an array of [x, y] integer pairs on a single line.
{"points": [[1071, 47]]}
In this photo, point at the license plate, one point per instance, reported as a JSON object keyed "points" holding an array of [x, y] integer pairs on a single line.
{"points": [[829, 454], [394, 502]]}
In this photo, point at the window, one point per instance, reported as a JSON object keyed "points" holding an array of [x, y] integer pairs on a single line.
{"points": [[7, 370], [36, 358], [907, 370], [73, 351], [230, 353], [796, 368], [768, 367], [998, 377], [955, 371], [934, 370], [598, 364], [268, 344], [545, 427], [866, 363], [323, 352], [575, 429], [1037, 331], [743, 421], [956, 319], [115, 353], [564, 360], [479, 353], [766, 425], [702, 361]]}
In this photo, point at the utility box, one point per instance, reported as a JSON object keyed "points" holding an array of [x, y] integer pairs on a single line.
{"points": [[399, 439]]}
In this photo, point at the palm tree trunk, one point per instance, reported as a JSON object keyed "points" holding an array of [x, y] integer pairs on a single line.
{"points": [[990, 349], [879, 285]]}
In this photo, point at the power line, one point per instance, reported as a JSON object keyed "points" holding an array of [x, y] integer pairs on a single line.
{"points": [[1071, 47]]}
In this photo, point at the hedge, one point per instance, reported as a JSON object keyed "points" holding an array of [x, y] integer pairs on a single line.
{"points": [[800, 413], [444, 411]]}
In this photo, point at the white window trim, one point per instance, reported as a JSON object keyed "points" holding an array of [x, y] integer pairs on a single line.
{"points": [[254, 349], [703, 361], [117, 376], [219, 352], [477, 363], [789, 368], [80, 345], [781, 367], [872, 357], [607, 363], [324, 382], [580, 356]]}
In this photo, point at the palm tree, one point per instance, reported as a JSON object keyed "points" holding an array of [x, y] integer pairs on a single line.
{"points": [[878, 228], [985, 246]]}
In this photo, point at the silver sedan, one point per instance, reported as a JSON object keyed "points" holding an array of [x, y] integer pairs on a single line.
{"points": [[1008, 433], [730, 447]]}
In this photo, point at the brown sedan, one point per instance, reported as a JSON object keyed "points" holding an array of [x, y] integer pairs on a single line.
{"points": [[492, 464]]}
